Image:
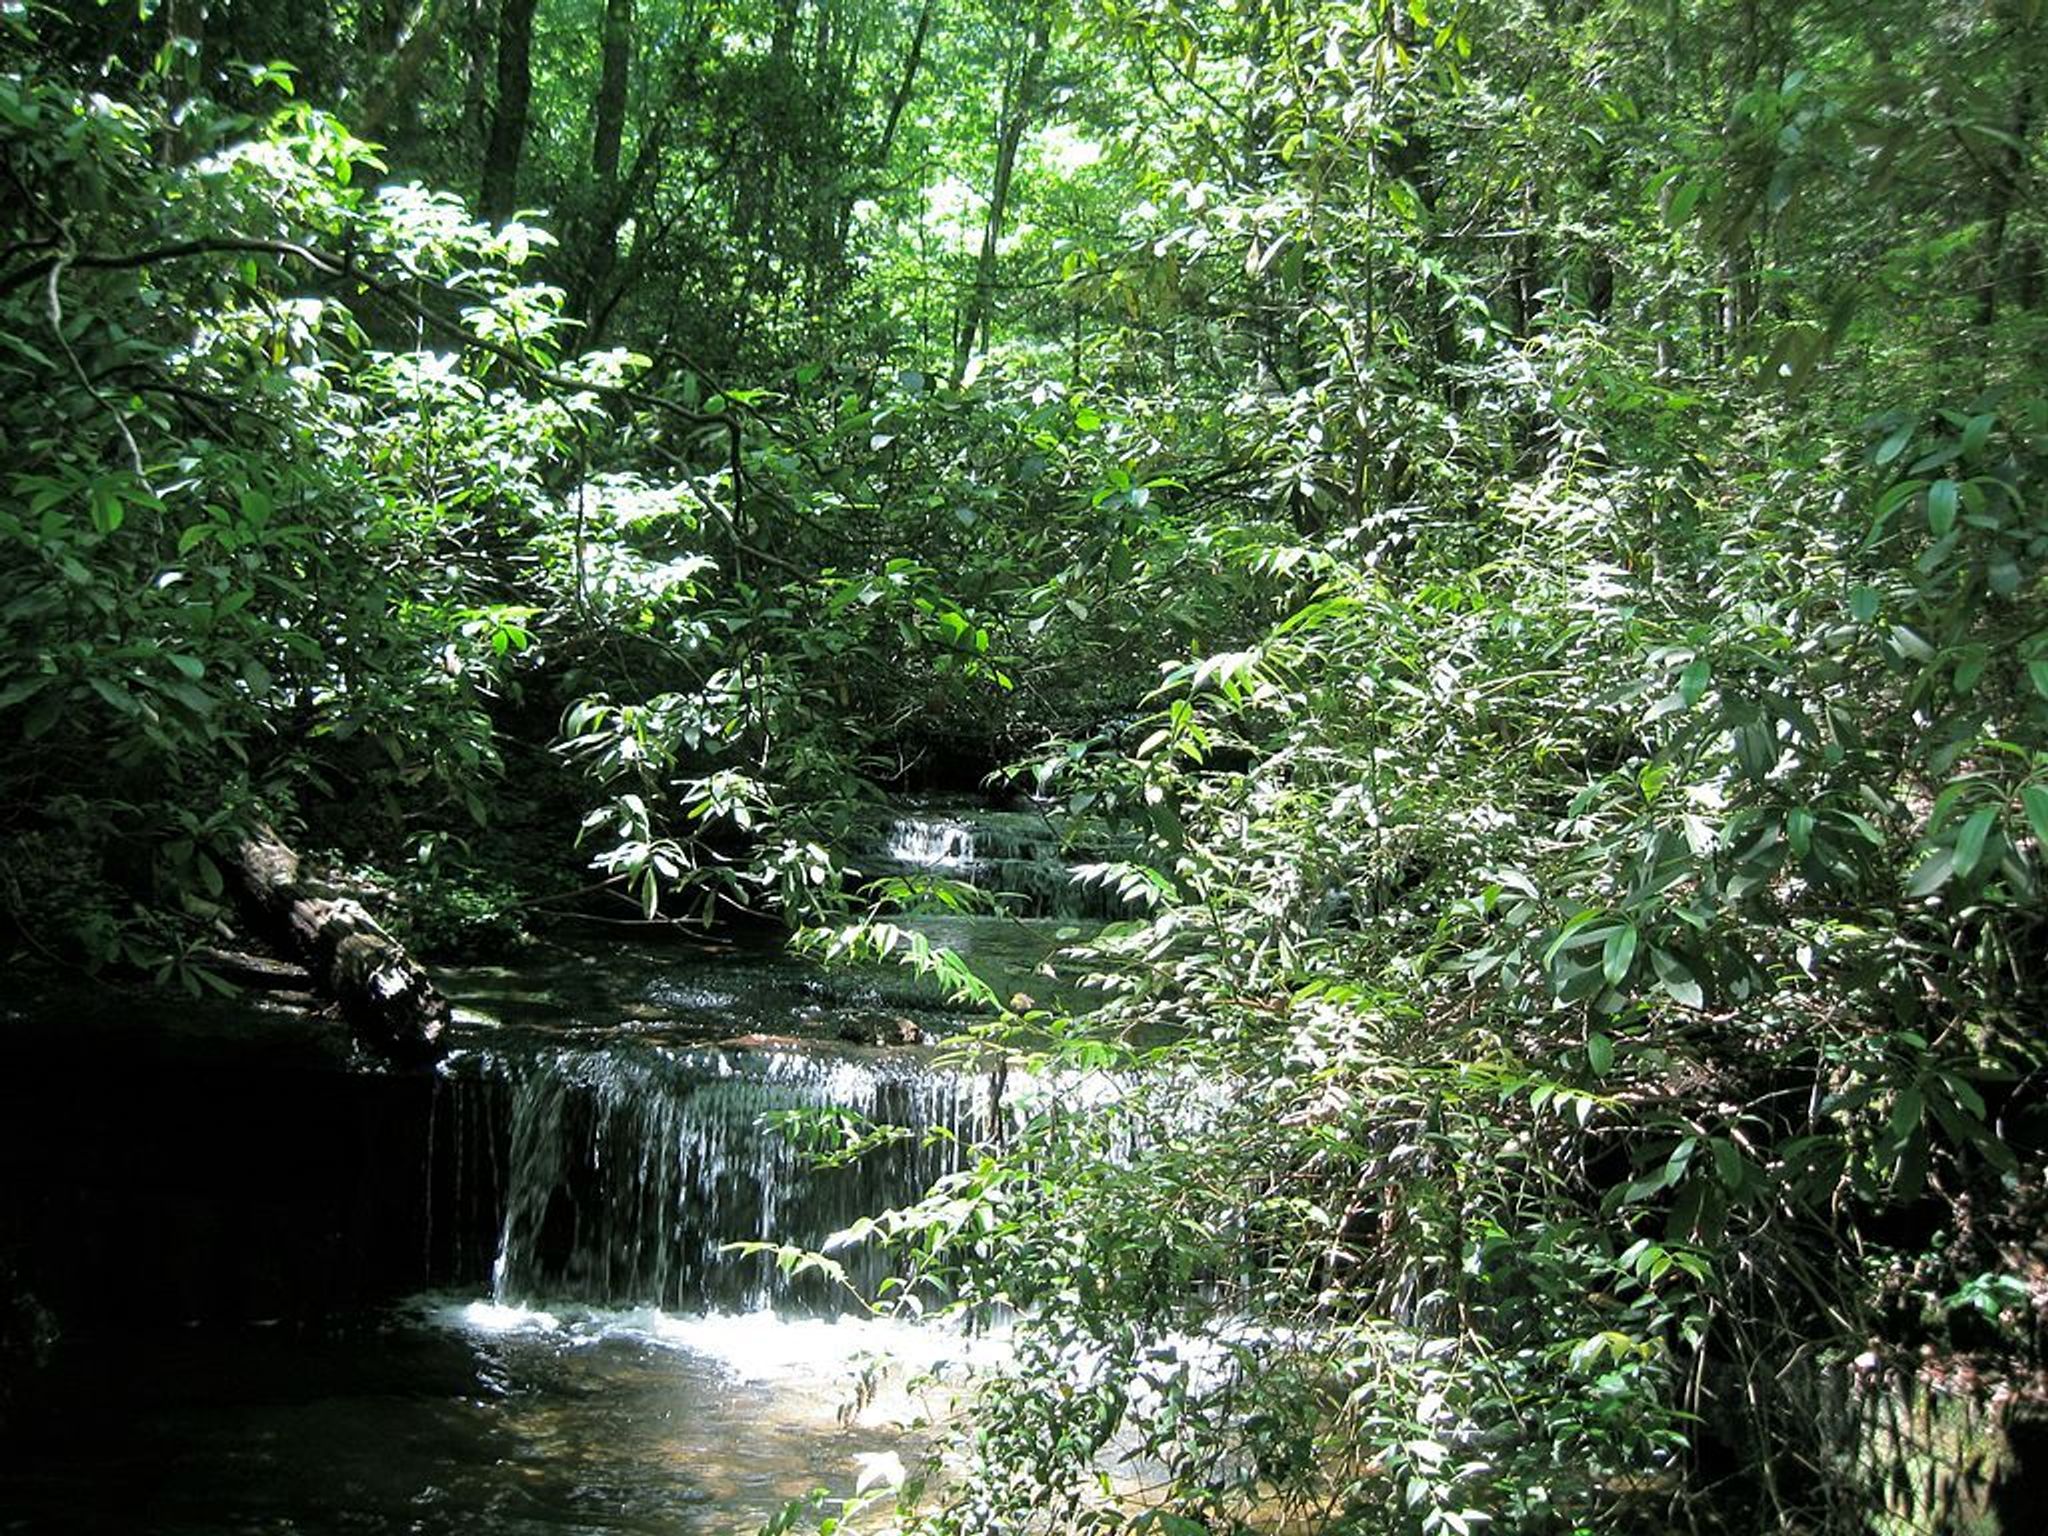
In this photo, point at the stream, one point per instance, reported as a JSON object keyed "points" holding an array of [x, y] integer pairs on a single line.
{"points": [[294, 1295]]}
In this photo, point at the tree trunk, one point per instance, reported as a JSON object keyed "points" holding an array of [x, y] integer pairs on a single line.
{"points": [[499, 193], [607, 208], [611, 92], [476, 90], [906, 85], [388, 1001], [2000, 200], [1020, 102], [397, 93], [185, 32]]}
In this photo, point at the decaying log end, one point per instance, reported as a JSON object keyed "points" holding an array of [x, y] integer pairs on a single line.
{"points": [[388, 1000]]}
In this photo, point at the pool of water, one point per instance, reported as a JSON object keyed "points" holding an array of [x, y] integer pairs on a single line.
{"points": [[448, 1414], [697, 991], [296, 1294]]}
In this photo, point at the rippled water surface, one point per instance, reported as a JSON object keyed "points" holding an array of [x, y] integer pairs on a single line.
{"points": [[447, 1415], [296, 1295]]}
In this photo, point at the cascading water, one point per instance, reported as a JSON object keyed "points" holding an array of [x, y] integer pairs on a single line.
{"points": [[621, 1173], [1016, 855], [511, 1303], [509, 1300], [926, 843]]}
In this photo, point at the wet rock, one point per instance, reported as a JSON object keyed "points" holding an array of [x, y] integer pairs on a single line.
{"points": [[892, 1029], [28, 1332], [767, 1042]]}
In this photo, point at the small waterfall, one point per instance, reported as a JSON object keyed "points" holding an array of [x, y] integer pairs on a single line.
{"points": [[1014, 854], [923, 843], [618, 1174]]}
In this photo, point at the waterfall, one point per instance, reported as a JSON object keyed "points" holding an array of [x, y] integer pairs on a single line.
{"points": [[923, 843], [1014, 854], [592, 1147], [618, 1174]]}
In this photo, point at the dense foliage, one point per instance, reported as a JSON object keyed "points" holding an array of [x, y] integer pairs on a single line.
{"points": [[1524, 524]]}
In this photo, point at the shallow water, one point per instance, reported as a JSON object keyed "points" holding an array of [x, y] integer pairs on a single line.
{"points": [[692, 991], [451, 1415], [238, 1221]]}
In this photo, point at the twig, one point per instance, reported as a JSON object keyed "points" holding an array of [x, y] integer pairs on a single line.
{"points": [[54, 308]]}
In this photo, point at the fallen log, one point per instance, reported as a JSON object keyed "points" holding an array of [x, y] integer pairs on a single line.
{"points": [[386, 998], [253, 973]]}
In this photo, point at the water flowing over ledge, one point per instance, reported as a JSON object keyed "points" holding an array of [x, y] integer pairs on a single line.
{"points": [[619, 1175]]}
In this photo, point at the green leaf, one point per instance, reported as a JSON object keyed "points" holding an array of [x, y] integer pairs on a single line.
{"points": [[1894, 445], [117, 696], [1888, 505], [1676, 978], [2037, 673], [1682, 203], [1971, 662], [1864, 603], [1618, 954], [1571, 935], [22, 688], [198, 700], [1756, 748], [1599, 1053], [1941, 507], [1911, 645], [1970, 840], [2034, 801], [1692, 682], [1933, 873], [107, 511], [1799, 830]]}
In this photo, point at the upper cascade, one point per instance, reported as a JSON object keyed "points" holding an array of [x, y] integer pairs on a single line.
{"points": [[931, 844], [1014, 854]]}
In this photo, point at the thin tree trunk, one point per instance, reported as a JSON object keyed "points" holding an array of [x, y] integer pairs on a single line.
{"points": [[183, 20], [1600, 257], [607, 207], [756, 226], [476, 90], [612, 84], [828, 194], [499, 194], [905, 86], [398, 90], [602, 292], [2003, 196], [1665, 317], [1020, 102]]}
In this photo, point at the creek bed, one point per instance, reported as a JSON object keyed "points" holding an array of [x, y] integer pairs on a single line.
{"points": [[451, 1415], [295, 1295]]}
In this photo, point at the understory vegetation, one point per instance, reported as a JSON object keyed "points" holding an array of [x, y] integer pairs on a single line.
{"points": [[1514, 534]]}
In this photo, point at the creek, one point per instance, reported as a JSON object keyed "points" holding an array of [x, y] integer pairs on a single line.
{"points": [[292, 1294]]}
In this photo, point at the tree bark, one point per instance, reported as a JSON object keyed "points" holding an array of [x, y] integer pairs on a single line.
{"points": [[1020, 104], [608, 202], [387, 1000], [498, 195], [2000, 200], [611, 92], [906, 85], [398, 90]]}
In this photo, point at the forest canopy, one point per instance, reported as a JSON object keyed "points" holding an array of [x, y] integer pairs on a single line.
{"points": [[1510, 537]]}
